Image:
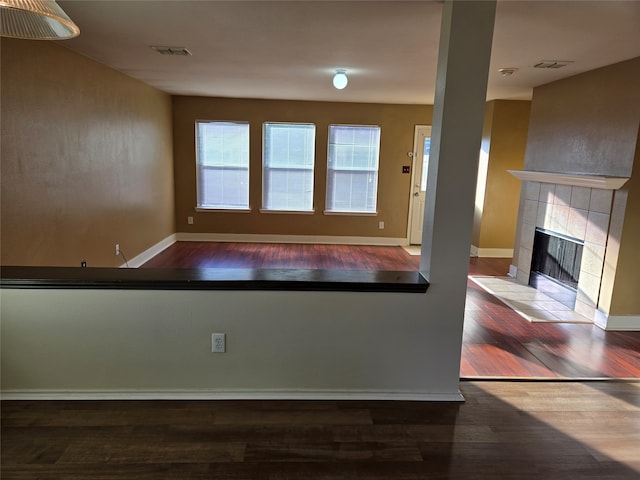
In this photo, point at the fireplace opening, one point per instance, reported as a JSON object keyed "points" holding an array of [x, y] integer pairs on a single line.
{"points": [[555, 265]]}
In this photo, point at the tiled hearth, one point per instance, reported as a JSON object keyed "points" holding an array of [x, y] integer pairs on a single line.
{"points": [[577, 211]]}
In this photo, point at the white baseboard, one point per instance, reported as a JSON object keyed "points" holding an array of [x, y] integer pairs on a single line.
{"points": [[513, 271], [491, 252], [149, 253], [629, 323], [333, 395], [258, 238]]}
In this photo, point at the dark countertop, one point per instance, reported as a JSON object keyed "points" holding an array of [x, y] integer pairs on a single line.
{"points": [[212, 279]]}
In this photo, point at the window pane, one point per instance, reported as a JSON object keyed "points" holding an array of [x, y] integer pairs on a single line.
{"points": [[218, 187], [222, 157], [288, 166], [352, 191], [288, 189], [352, 174], [425, 164]]}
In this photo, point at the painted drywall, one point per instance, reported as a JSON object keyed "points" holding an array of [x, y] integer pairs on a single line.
{"points": [[507, 139], [397, 124], [624, 296], [586, 123], [86, 159], [461, 86], [483, 166], [277, 343]]}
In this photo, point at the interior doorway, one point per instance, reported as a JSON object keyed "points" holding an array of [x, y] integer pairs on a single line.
{"points": [[421, 147]]}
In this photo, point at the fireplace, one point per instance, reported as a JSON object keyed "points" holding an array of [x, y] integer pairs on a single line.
{"points": [[570, 207], [555, 265], [570, 212]]}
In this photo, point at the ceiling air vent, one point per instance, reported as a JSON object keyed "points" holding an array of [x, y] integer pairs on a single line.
{"points": [[552, 63], [180, 51]]}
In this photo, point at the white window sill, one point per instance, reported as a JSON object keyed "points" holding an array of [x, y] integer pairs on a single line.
{"points": [[223, 210], [352, 214], [288, 212]]}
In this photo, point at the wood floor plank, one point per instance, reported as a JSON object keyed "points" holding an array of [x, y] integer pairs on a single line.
{"points": [[139, 448], [333, 452], [294, 417]]}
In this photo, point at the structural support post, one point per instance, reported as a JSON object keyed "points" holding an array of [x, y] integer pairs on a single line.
{"points": [[461, 88]]}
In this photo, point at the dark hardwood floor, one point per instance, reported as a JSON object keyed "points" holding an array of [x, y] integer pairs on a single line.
{"points": [[504, 430], [497, 341], [280, 255]]}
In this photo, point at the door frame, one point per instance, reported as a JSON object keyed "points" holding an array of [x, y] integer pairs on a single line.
{"points": [[415, 157]]}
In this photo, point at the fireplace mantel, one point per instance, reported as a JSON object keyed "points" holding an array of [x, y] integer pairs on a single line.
{"points": [[579, 180]]}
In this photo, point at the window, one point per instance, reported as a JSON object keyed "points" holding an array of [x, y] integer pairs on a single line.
{"points": [[425, 163], [222, 156], [288, 158], [352, 170]]}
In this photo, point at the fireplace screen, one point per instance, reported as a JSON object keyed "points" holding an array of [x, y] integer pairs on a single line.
{"points": [[557, 256]]}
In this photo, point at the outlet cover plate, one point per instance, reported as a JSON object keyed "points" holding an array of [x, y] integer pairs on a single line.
{"points": [[218, 343]]}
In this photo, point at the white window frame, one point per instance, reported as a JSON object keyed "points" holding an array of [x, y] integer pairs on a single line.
{"points": [[331, 210], [267, 169], [200, 166]]}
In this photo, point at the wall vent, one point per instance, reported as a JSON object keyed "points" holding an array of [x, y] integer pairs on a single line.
{"points": [[180, 51], [552, 63]]}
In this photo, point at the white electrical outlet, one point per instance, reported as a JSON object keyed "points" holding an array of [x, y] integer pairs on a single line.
{"points": [[190, 220], [218, 343], [117, 249], [381, 225]]}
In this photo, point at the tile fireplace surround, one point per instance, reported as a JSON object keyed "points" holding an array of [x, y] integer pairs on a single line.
{"points": [[569, 205]]}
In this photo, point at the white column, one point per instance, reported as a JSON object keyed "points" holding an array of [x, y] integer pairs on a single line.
{"points": [[463, 65]]}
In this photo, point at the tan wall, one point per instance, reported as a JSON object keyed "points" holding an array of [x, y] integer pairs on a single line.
{"points": [[505, 136], [86, 159], [508, 143], [397, 124], [485, 147], [625, 299], [587, 123]]}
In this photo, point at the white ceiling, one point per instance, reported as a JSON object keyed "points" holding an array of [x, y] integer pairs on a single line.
{"points": [[290, 49]]}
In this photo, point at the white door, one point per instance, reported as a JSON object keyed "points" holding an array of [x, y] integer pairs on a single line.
{"points": [[421, 146]]}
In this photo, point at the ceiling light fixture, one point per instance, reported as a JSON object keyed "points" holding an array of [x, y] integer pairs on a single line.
{"points": [[340, 79], [35, 20]]}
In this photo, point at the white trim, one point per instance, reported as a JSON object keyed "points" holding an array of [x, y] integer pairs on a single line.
{"points": [[266, 238], [580, 180], [513, 271], [617, 322], [222, 210], [229, 395], [151, 252], [352, 214], [288, 212], [491, 252]]}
